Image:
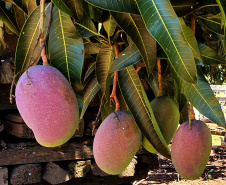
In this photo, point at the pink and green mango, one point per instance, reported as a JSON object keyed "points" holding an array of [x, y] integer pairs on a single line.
{"points": [[116, 142], [48, 105], [190, 149]]}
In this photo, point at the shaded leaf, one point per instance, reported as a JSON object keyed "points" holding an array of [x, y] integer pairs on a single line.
{"points": [[86, 27], [76, 8], [183, 8], [128, 6], [21, 17], [135, 28], [164, 25], [92, 48], [110, 26], [136, 99], [90, 90], [209, 56], [31, 6], [66, 47], [201, 96], [63, 7], [129, 56], [88, 67], [103, 63], [191, 40], [212, 22], [8, 19]]}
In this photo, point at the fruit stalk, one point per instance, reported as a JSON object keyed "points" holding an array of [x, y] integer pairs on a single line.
{"points": [[159, 77], [113, 94]]}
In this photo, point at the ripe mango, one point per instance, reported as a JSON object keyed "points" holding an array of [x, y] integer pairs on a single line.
{"points": [[116, 142], [190, 149], [48, 105], [167, 116]]}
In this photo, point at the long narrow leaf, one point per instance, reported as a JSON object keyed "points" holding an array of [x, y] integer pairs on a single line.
{"points": [[135, 28], [131, 89], [128, 6], [8, 19], [164, 25], [201, 96], [63, 7], [66, 47]]}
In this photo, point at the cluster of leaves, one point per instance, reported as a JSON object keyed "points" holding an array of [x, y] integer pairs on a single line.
{"points": [[86, 34]]}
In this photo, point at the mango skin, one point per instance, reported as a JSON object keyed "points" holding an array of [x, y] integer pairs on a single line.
{"points": [[116, 142], [167, 116], [191, 149], [48, 105]]}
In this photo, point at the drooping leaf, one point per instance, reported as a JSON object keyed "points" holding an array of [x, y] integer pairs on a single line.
{"points": [[88, 67], [27, 40], [90, 90], [95, 13], [190, 38], [110, 25], [212, 22], [91, 48], [63, 7], [20, 16], [8, 19], [129, 56], [66, 47], [201, 96], [103, 63], [2, 42], [135, 28], [128, 6], [76, 8], [136, 99], [164, 25], [209, 56]]}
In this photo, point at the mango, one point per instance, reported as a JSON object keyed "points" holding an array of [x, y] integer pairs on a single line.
{"points": [[116, 142], [191, 149], [167, 116], [48, 105]]}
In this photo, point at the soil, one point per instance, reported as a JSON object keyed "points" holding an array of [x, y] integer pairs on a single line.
{"points": [[215, 172]]}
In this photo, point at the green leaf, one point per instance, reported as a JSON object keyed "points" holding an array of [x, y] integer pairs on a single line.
{"points": [[191, 40], [27, 40], [110, 25], [66, 47], [212, 22], [8, 19], [63, 7], [88, 67], [129, 56], [86, 27], [136, 99], [103, 63], [90, 90], [75, 7], [164, 25], [135, 28], [201, 96], [209, 56], [91, 48], [128, 6]]}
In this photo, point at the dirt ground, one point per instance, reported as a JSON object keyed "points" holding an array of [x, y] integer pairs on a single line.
{"points": [[215, 172]]}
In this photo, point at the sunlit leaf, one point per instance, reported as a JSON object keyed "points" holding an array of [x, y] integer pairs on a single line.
{"points": [[90, 90], [201, 96], [190, 38], [110, 25], [164, 25], [66, 47], [136, 99]]}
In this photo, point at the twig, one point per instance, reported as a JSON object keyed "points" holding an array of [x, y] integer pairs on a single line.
{"points": [[113, 94], [159, 77], [39, 53]]}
